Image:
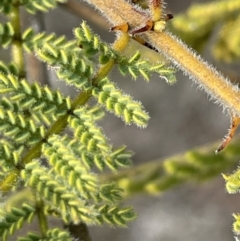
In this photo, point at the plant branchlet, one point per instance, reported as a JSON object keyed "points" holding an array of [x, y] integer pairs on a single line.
{"points": [[59, 168]]}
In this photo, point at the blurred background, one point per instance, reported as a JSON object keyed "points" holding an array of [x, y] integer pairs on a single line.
{"points": [[182, 117]]}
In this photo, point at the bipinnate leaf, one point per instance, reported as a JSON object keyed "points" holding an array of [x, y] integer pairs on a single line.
{"points": [[71, 206]]}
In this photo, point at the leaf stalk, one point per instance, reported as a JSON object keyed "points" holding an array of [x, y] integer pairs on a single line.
{"points": [[17, 48]]}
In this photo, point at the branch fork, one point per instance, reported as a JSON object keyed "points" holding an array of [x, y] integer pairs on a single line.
{"points": [[153, 34]]}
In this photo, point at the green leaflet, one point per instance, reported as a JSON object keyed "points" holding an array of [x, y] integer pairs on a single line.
{"points": [[74, 206], [69, 167], [88, 133], [31, 6], [60, 168], [113, 215], [6, 34], [66, 162], [33, 41], [72, 68], [52, 235], [10, 153], [233, 186], [196, 25], [53, 189], [14, 220], [116, 158], [43, 104], [134, 66], [120, 104], [6, 6], [40, 5], [16, 127], [93, 45]]}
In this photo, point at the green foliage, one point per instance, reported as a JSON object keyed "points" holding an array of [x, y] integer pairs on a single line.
{"points": [[197, 165], [92, 44], [51, 144], [33, 106], [112, 215], [233, 186], [10, 154], [52, 235], [120, 104], [198, 23], [73, 67], [86, 131], [134, 66], [236, 224], [228, 41], [70, 205], [33, 41], [14, 220], [6, 34], [6, 6], [116, 158], [40, 5], [31, 6]]}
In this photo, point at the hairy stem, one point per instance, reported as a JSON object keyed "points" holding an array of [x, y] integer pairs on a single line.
{"points": [[198, 70], [219, 88]]}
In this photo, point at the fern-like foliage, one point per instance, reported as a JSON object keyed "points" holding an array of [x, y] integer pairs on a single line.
{"points": [[51, 144], [134, 66], [72, 67], [122, 105], [33, 41], [33, 108], [69, 204]]}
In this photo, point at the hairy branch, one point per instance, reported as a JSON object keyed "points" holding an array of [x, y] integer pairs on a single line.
{"points": [[219, 88]]}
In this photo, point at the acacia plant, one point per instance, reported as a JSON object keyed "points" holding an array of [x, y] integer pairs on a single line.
{"points": [[52, 150]]}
